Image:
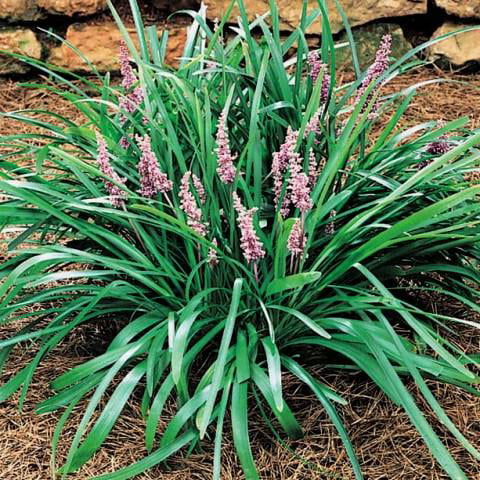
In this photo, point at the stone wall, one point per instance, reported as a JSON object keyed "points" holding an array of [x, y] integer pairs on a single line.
{"points": [[88, 26]]}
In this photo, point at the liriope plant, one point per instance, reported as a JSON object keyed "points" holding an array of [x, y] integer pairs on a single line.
{"points": [[239, 221]]}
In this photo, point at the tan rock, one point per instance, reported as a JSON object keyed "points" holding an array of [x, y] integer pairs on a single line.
{"points": [[72, 7], [99, 43], [21, 41], [13, 10], [457, 49], [27, 10], [461, 8], [358, 11]]}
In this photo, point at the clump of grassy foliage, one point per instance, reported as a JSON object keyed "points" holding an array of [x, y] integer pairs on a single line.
{"points": [[238, 218]]}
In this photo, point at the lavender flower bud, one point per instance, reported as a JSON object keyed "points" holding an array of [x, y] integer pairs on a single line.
{"points": [[315, 64], [316, 67], [299, 187], [212, 254], [190, 207], [226, 169], [313, 169], [126, 70], [117, 195], [199, 188], [130, 102], [251, 246], [377, 69], [296, 240], [133, 97], [439, 146], [152, 180], [124, 142], [281, 160]]}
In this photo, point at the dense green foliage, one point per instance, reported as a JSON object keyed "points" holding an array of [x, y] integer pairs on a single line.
{"points": [[405, 219]]}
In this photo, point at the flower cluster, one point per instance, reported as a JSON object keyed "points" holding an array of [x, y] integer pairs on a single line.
{"points": [[315, 63], [316, 67], [313, 125], [251, 246], [212, 254], [152, 179], [376, 70], [126, 70], [200, 189], [299, 187], [130, 102], [226, 169], [440, 146], [281, 161], [134, 96], [313, 168], [190, 207], [117, 195], [296, 240]]}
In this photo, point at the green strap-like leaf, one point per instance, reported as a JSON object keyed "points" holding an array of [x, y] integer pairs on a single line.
{"points": [[151, 460], [239, 410], [303, 375], [274, 371], [295, 281], [222, 354]]}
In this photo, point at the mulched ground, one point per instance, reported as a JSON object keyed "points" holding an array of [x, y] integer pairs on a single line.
{"points": [[388, 446]]}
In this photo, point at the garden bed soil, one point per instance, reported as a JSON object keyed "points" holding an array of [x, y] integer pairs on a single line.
{"points": [[388, 447]]}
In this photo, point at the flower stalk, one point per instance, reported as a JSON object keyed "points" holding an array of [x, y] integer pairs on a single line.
{"points": [[117, 195], [250, 244]]}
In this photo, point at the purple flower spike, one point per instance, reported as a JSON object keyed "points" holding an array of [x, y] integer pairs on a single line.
{"points": [[316, 67], [313, 125], [313, 169], [152, 180], [299, 186], [117, 195], [133, 97], [251, 246], [296, 239], [281, 160], [130, 102], [199, 188], [190, 207], [315, 64], [378, 68], [325, 85], [441, 145], [124, 143], [126, 70], [212, 254], [226, 169]]}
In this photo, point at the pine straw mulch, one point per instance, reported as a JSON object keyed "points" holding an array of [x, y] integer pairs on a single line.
{"points": [[387, 445]]}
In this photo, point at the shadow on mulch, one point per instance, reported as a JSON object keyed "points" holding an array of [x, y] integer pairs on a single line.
{"points": [[388, 447]]}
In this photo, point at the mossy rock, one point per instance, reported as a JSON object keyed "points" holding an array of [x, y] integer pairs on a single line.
{"points": [[367, 39]]}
